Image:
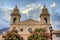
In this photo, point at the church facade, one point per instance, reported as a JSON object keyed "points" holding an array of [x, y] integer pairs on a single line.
{"points": [[26, 26]]}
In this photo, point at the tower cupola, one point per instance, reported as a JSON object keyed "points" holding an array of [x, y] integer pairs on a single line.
{"points": [[45, 16], [16, 9], [15, 16], [44, 10]]}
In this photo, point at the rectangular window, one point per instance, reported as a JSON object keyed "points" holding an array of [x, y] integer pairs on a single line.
{"points": [[57, 35]]}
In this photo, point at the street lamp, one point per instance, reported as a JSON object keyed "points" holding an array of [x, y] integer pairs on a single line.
{"points": [[51, 29]]}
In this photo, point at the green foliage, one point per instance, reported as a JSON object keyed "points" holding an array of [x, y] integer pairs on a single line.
{"points": [[40, 30], [37, 35], [12, 35]]}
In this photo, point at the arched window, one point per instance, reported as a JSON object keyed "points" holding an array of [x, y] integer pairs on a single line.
{"points": [[30, 29], [45, 20], [14, 20], [21, 30]]}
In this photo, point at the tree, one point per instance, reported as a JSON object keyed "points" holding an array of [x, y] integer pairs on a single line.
{"points": [[40, 30], [38, 34], [12, 35]]}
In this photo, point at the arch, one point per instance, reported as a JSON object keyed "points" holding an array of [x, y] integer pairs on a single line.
{"points": [[14, 20], [45, 20]]}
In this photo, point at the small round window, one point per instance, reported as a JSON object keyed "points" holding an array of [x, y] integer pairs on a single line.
{"points": [[30, 29], [21, 30]]}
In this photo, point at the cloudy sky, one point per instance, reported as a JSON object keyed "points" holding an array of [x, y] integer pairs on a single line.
{"points": [[29, 9]]}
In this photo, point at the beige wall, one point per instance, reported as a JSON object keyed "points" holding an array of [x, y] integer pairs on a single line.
{"points": [[1, 37], [55, 37], [29, 24]]}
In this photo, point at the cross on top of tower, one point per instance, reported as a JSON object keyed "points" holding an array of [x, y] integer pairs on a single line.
{"points": [[44, 6], [16, 11], [44, 3], [44, 9], [16, 6]]}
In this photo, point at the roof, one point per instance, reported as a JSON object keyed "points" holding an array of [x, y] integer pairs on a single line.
{"points": [[30, 21], [56, 32]]}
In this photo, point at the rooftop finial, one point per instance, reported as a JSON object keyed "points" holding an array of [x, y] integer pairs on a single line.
{"points": [[44, 3], [44, 6], [16, 6]]}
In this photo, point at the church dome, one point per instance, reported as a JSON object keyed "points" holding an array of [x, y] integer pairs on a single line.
{"points": [[16, 9], [44, 10]]}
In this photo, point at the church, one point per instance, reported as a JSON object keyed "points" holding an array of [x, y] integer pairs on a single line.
{"points": [[26, 26]]}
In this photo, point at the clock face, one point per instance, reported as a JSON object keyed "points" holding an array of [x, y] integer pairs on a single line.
{"points": [[30, 29]]}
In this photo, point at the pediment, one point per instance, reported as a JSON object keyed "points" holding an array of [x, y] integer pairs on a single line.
{"points": [[30, 21]]}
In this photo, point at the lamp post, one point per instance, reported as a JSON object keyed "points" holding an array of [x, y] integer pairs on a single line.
{"points": [[51, 29]]}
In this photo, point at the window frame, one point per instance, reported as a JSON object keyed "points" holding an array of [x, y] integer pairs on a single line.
{"points": [[21, 29], [30, 29]]}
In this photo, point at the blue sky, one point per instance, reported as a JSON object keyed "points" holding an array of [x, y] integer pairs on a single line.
{"points": [[29, 9]]}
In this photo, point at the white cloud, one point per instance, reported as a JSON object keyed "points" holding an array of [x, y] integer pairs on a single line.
{"points": [[53, 5], [26, 11], [34, 8], [30, 7], [38, 6], [7, 12], [54, 24], [41, 6]]}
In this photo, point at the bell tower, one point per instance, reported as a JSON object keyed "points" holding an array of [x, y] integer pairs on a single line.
{"points": [[15, 18], [45, 16]]}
